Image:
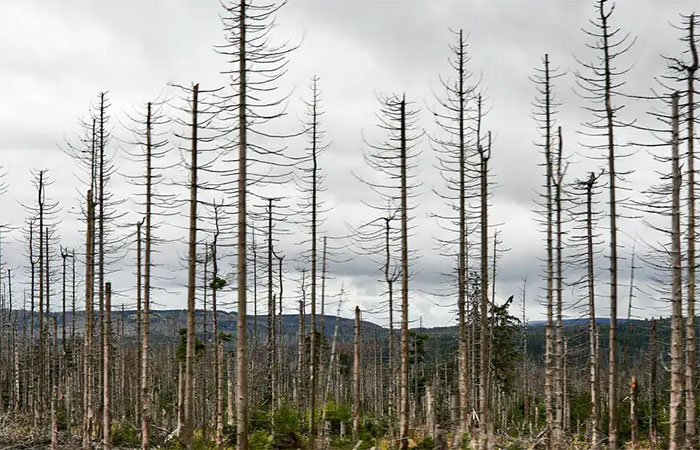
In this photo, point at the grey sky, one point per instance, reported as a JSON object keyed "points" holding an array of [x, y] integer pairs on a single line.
{"points": [[57, 56]]}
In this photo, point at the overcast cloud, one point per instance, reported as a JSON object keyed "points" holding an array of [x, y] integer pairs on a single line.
{"points": [[58, 55]]}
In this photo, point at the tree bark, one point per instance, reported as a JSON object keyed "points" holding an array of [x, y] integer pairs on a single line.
{"points": [[691, 438], [404, 408], [675, 407], [89, 295], [188, 424], [356, 378], [592, 343], [242, 327], [145, 357], [106, 388]]}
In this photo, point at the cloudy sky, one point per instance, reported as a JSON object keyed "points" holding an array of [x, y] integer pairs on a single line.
{"points": [[57, 57]]}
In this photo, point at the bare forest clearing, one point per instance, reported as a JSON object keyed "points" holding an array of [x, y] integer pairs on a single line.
{"points": [[248, 262]]}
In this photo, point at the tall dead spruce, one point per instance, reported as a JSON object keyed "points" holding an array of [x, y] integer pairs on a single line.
{"points": [[456, 146], [393, 159], [255, 65], [600, 83]]}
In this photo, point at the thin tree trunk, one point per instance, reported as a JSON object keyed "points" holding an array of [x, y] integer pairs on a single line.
{"points": [[486, 425], [106, 388], [139, 350], [653, 355], [612, 346], [54, 390], [676, 402], [404, 407], [145, 396], [633, 412], [356, 378], [691, 438], [242, 327], [593, 346], [551, 434], [559, 388], [271, 350], [89, 295], [188, 423]]}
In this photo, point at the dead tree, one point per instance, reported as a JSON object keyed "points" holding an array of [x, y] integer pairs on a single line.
{"points": [[546, 108], [600, 85], [486, 424], [186, 435], [455, 112], [653, 358], [676, 434], [685, 73], [106, 387], [356, 378], [255, 66], [88, 375], [590, 239], [394, 158]]}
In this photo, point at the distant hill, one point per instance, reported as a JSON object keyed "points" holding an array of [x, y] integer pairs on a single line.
{"points": [[165, 325]]}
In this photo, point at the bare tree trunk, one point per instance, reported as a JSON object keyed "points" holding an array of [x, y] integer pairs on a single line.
{"points": [[106, 388], [242, 327], [219, 365], [691, 438], [592, 344], [486, 424], [54, 390], [144, 394], [653, 355], [42, 331], [271, 350], [559, 387], [331, 361], [300, 398], [314, 217], [139, 301], [356, 379], [89, 295], [187, 431], [101, 229], [180, 396], [551, 434], [229, 397], [633, 411], [390, 278], [676, 401], [610, 119], [404, 408], [462, 264]]}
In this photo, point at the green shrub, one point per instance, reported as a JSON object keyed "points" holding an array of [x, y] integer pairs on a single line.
{"points": [[124, 435], [260, 420], [260, 440], [335, 414]]}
